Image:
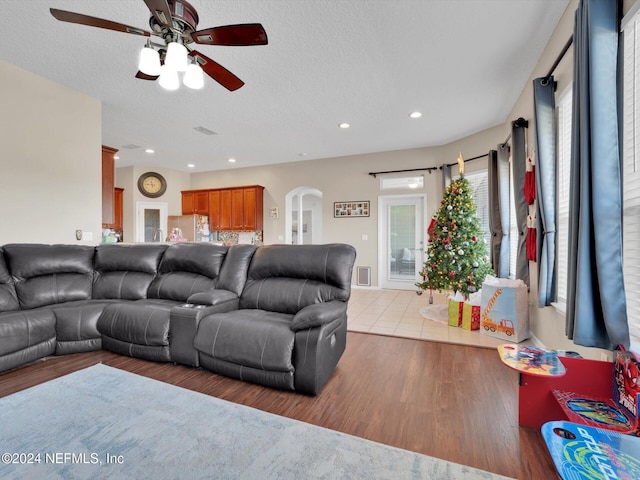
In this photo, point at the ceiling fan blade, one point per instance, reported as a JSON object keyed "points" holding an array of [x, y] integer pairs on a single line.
{"points": [[232, 35], [216, 71], [81, 19], [160, 10], [144, 76]]}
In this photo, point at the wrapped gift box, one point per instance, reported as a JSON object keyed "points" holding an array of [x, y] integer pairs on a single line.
{"points": [[505, 309]]}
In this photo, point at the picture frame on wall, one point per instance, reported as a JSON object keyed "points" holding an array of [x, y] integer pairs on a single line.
{"points": [[357, 208]]}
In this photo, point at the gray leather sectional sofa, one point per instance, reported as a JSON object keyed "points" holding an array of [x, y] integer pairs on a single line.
{"points": [[273, 315]]}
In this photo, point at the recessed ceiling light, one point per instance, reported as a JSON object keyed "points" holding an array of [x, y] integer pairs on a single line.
{"points": [[303, 154], [344, 125], [190, 165], [116, 157], [415, 114], [148, 150], [232, 160]]}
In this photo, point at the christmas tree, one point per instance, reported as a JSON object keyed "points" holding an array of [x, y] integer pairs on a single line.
{"points": [[456, 257]]}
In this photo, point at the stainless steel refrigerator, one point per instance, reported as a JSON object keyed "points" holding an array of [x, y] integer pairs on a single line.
{"points": [[188, 228]]}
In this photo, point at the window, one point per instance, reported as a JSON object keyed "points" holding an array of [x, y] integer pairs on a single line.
{"points": [[514, 231], [479, 182], [631, 169], [387, 183], [564, 113]]}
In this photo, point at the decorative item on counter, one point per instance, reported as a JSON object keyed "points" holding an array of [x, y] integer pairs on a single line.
{"points": [[176, 235], [202, 228], [109, 236]]}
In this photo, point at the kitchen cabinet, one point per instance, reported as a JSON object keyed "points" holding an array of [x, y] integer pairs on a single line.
{"points": [[195, 201], [237, 208], [118, 202], [253, 208], [108, 183], [220, 209], [247, 208]]}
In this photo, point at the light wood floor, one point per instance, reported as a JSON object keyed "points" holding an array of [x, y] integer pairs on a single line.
{"points": [[453, 402], [397, 313]]}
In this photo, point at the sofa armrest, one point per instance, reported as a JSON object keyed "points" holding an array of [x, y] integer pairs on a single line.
{"points": [[212, 297], [318, 314]]}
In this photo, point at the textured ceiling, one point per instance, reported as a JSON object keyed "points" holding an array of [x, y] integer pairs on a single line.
{"points": [[462, 63]]}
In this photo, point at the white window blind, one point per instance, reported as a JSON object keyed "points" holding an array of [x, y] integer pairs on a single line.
{"points": [[514, 231], [479, 182], [563, 109], [631, 172]]}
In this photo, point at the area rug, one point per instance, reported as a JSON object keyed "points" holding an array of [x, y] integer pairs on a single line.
{"points": [[102, 422]]}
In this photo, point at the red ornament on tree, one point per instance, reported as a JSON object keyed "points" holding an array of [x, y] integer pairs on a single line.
{"points": [[452, 274], [474, 238]]}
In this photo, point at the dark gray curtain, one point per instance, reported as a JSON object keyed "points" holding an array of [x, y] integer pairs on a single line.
{"points": [[498, 184], [519, 159], [446, 176], [596, 303], [546, 187], [495, 225]]}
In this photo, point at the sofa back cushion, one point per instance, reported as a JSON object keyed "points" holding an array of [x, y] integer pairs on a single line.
{"points": [[125, 271], [187, 268], [8, 295], [50, 274], [287, 278], [233, 274]]}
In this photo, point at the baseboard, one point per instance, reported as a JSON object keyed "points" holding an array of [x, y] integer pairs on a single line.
{"points": [[536, 341]]}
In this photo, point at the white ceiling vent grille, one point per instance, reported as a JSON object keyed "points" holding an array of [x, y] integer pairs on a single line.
{"points": [[131, 146], [205, 130]]}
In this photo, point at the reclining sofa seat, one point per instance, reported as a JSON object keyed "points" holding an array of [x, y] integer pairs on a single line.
{"points": [[187, 273], [290, 330], [45, 280]]}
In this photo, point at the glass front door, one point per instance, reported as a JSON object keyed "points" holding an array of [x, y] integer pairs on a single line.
{"points": [[402, 243]]}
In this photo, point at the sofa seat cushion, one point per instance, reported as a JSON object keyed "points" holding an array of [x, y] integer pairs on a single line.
{"points": [[77, 326], [141, 322], [24, 329], [252, 338]]}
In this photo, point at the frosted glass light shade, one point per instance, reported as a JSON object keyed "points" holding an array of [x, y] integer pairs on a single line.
{"points": [[194, 77], [149, 61], [168, 78], [176, 57]]}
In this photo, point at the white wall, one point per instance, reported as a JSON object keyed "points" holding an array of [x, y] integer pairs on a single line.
{"points": [[51, 160], [127, 178]]}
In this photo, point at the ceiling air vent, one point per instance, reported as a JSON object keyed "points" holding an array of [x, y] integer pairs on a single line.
{"points": [[205, 130], [131, 146]]}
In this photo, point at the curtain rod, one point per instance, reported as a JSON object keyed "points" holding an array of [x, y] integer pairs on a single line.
{"points": [[520, 122], [466, 160], [558, 60], [373, 174]]}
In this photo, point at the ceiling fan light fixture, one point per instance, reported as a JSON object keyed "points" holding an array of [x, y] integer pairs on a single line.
{"points": [[194, 77], [176, 57], [168, 78], [149, 63]]}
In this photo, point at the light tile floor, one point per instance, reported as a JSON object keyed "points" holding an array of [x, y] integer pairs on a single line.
{"points": [[397, 313]]}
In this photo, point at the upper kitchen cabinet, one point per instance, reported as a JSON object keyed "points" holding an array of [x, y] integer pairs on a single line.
{"points": [[247, 208], [108, 183], [237, 208], [220, 209], [195, 201]]}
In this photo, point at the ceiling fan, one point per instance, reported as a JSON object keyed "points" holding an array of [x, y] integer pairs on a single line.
{"points": [[173, 23]]}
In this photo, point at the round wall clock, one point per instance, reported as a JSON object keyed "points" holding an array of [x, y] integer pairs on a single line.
{"points": [[152, 184]]}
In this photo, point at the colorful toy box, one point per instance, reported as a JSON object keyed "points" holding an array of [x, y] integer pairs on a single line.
{"points": [[626, 383]]}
